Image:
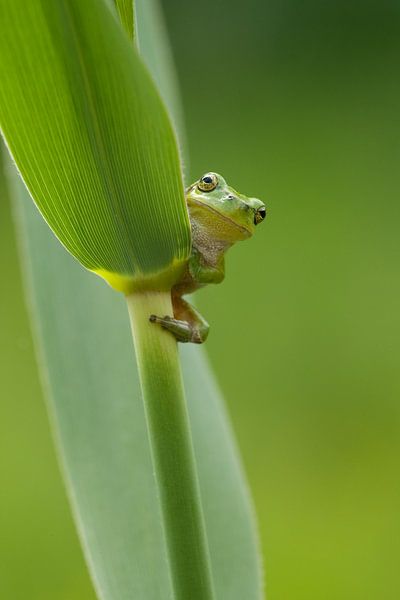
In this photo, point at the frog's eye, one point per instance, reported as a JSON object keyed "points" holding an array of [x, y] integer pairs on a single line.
{"points": [[260, 215], [208, 182]]}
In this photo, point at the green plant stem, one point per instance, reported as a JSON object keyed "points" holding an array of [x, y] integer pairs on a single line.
{"points": [[171, 447]]}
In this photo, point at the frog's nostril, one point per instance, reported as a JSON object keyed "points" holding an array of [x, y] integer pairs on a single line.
{"points": [[260, 215]]}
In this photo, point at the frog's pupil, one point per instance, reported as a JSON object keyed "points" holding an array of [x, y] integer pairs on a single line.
{"points": [[207, 179]]}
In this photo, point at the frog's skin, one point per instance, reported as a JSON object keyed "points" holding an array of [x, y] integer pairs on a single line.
{"points": [[219, 217]]}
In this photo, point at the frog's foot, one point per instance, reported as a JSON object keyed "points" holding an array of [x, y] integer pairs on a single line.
{"points": [[180, 329], [184, 331]]}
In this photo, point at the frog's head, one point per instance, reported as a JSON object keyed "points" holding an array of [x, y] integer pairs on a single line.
{"points": [[229, 215]]}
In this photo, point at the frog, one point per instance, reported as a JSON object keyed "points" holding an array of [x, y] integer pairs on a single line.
{"points": [[219, 217]]}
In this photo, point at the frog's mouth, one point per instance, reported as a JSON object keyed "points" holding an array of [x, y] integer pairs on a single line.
{"points": [[246, 231]]}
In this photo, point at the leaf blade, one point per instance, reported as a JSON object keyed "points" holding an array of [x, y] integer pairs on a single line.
{"points": [[126, 14], [103, 440], [103, 164], [95, 406]]}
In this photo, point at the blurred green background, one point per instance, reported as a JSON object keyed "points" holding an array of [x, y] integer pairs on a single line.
{"points": [[296, 103]]}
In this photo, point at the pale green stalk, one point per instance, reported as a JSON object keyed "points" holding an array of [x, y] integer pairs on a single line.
{"points": [[171, 448]]}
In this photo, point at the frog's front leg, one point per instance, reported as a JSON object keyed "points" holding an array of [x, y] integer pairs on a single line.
{"points": [[187, 324]]}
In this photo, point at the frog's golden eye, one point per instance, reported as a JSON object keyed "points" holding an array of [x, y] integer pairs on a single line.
{"points": [[208, 182]]}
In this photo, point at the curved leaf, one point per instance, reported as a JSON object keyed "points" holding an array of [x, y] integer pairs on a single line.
{"points": [[82, 332], [91, 138]]}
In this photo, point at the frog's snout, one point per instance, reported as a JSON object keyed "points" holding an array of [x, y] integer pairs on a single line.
{"points": [[260, 215], [259, 208]]}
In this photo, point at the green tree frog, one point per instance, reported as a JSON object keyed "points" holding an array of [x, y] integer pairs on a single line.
{"points": [[219, 217]]}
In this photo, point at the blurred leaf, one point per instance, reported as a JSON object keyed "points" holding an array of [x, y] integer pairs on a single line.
{"points": [[152, 39], [91, 137], [86, 357], [126, 15]]}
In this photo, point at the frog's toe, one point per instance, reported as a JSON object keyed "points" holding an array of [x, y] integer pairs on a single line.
{"points": [[163, 321], [155, 319]]}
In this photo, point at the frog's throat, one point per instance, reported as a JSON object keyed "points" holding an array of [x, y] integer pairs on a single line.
{"points": [[223, 217]]}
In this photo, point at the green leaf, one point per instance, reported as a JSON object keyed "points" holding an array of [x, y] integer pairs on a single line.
{"points": [[86, 357], [92, 139], [152, 39], [126, 15]]}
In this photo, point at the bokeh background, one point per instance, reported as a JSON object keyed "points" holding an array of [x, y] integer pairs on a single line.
{"points": [[296, 103]]}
